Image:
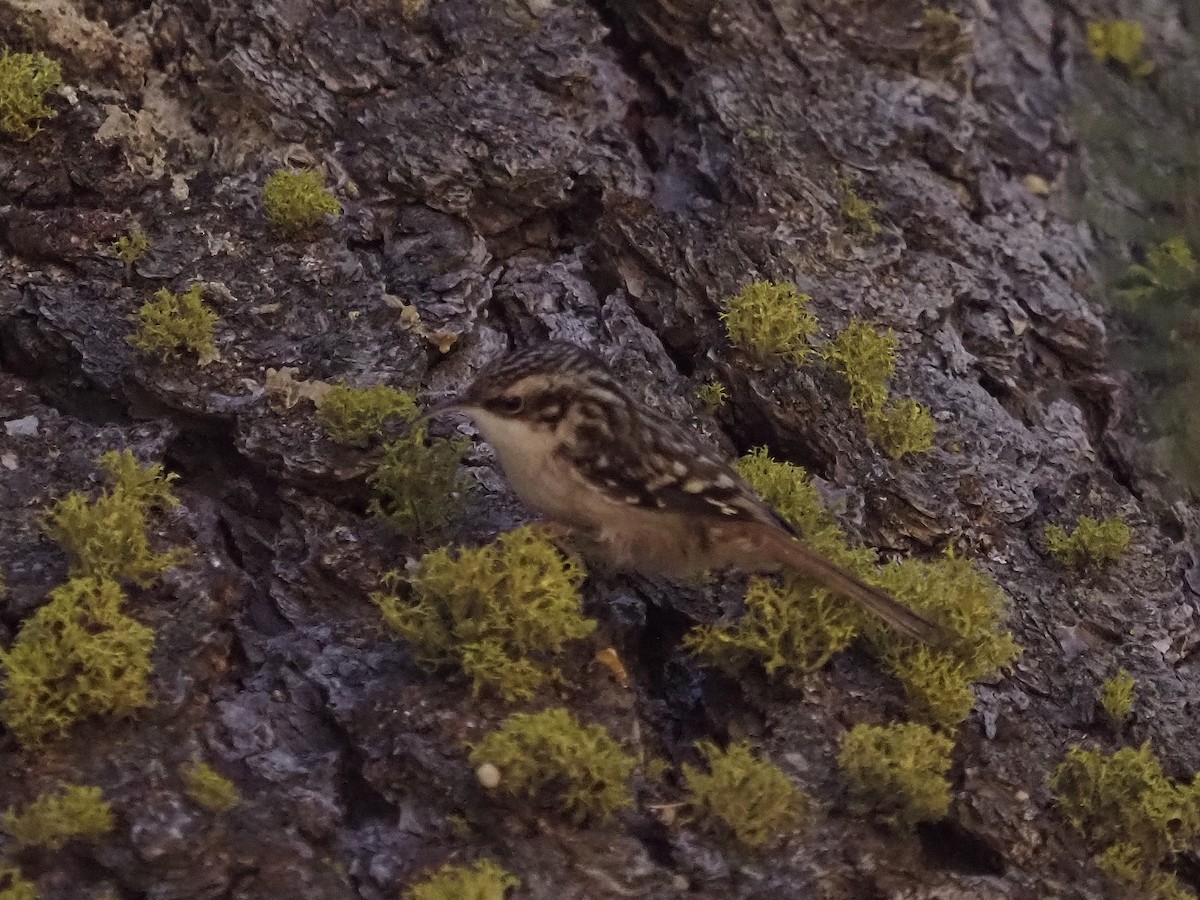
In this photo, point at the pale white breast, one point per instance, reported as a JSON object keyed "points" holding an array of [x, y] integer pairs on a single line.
{"points": [[526, 454], [629, 537]]}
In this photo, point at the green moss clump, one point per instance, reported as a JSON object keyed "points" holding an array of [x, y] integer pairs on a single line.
{"points": [[417, 482], [712, 396], [901, 427], [356, 415], [1169, 276], [941, 23], [106, 537], [1116, 696], [173, 322], [1125, 803], [1159, 885], [786, 628], [790, 491], [210, 788], [742, 796], [1120, 41], [857, 213], [1126, 863], [899, 771], [497, 611], [14, 885], [866, 358], [970, 608], [770, 320], [25, 80], [411, 9], [149, 486], [78, 655], [483, 881], [1092, 543], [1126, 798], [944, 38], [52, 820], [296, 201], [790, 626], [551, 757], [936, 685], [131, 247]]}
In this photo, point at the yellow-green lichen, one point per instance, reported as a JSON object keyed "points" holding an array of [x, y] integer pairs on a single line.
{"points": [[25, 80], [1120, 41], [770, 320], [499, 612], [411, 9], [789, 626], [1094, 542], [936, 685], [553, 759], [969, 608], [898, 771], [14, 885], [741, 796], [761, 134], [857, 213], [78, 655], [210, 788], [944, 20], [901, 426], [149, 486], [1169, 275], [1116, 697], [1125, 863], [792, 626], [866, 358], [106, 537], [790, 491], [417, 483], [132, 246], [296, 201], [52, 820], [944, 38], [1125, 803], [712, 396], [356, 415], [786, 628], [484, 880], [173, 322], [1159, 885]]}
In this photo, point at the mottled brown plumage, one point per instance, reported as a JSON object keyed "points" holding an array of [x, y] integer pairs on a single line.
{"points": [[638, 486]]}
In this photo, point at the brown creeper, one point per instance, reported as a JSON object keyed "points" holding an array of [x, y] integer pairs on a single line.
{"points": [[636, 486]]}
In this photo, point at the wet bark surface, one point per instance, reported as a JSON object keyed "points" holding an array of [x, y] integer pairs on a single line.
{"points": [[602, 172]]}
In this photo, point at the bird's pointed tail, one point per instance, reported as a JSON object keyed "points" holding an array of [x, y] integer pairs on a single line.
{"points": [[795, 556]]}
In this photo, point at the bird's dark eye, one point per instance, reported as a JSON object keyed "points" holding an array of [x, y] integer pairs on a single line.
{"points": [[509, 404]]}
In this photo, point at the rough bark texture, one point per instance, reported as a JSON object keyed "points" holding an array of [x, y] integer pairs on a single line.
{"points": [[605, 172]]}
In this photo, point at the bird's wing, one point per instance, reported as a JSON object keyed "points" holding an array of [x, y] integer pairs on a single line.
{"points": [[666, 467]]}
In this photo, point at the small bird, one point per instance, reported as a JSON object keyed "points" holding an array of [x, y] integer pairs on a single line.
{"points": [[638, 487]]}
